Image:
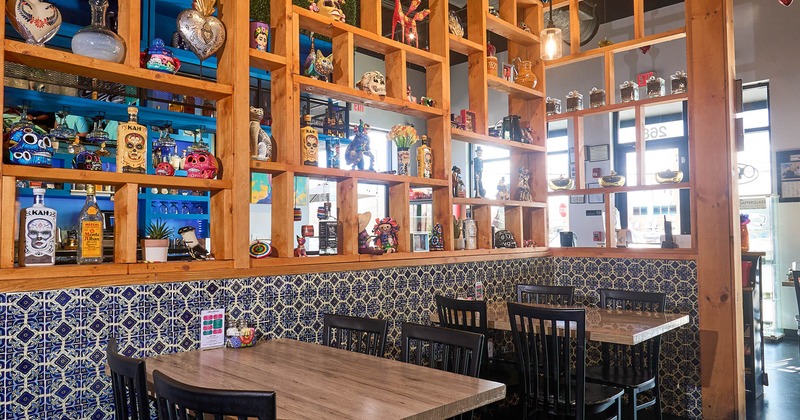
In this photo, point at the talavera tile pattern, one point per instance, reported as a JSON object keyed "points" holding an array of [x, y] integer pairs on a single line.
{"points": [[53, 342]]}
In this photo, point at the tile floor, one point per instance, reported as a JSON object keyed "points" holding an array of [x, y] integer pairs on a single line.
{"points": [[781, 398]]}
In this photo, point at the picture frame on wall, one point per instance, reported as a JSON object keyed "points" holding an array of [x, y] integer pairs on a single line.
{"points": [[598, 153], [788, 175], [577, 199], [595, 198]]}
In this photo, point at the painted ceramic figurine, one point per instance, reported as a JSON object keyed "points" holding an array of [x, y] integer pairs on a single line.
{"points": [[196, 251], [157, 57], [477, 167], [459, 190], [408, 23], [300, 251], [309, 138], [260, 143], [29, 147], [504, 239], [201, 164], [410, 96], [373, 82], [436, 242], [330, 8], [317, 66], [363, 237], [87, 161], [386, 234], [502, 190], [523, 185], [358, 148]]}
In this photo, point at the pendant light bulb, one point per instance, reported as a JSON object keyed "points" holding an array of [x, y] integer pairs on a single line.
{"points": [[550, 39]]}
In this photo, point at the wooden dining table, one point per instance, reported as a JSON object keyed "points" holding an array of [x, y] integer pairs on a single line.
{"points": [[317, 382], [602, 325]]}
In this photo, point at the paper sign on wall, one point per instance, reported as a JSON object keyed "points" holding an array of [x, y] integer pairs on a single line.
{"points": [[212, 328]]}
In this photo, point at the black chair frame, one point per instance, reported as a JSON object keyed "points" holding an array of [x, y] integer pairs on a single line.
{"points": [[361, 335], [128, 384], [548, 295]]}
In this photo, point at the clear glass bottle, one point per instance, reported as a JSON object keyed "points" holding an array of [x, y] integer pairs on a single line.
{"points": [[90, 230], [96, 40], [37, 238]]}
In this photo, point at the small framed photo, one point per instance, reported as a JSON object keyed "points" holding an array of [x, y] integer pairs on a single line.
{"points": [[509, 72], [468, 118], [595, 198], [419, 242], [597, 153], [577, 199]]}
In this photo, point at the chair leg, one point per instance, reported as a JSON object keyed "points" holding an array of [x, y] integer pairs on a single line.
{"points": [[619, 408], [657, 396], [631, 411]]}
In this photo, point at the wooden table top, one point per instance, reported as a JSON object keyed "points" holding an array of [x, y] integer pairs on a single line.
{"points": [[314, 381], [603, 325]]}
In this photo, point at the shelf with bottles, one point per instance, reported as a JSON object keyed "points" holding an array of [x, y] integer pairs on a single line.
{"points": [[485, 140], [661, 100]]}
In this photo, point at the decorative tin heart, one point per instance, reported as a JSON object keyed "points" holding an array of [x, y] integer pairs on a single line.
{"points": [[203, 33], [35, 20], [786, 2]]}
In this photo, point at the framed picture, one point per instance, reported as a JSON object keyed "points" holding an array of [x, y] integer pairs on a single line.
{"points": [[788, 175], [595, 198], [419, 241], [468, 118], [577, 199], [509, 72], [597, 153]]}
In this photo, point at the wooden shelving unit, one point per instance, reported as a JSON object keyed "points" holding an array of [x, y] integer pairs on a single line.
{"points": [[482, 139]]}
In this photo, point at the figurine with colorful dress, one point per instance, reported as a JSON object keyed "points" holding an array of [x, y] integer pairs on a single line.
{"points": [[385, 231]]}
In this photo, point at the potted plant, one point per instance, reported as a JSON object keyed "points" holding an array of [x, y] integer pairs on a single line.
{"points": [[156, 242]]}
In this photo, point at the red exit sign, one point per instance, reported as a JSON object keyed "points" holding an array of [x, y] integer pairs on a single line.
{"points": [[358, 107], [641, 79]]}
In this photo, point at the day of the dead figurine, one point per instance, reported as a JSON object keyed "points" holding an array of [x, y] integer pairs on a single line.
{"points": [[477, 167], [358, 148], [459, 189], [502, 190], [364, 246], [523, 185]]}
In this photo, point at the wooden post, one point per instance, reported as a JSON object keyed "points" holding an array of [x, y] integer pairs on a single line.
{"points": [[8, 215], [370, 16], [282, 213], [478, 83], [640, 146], [126, 201], [577, 141], [638, 18], [343, 59], [400, 210], [483, 220], [443, 213], [347, 213], [222, 240], [610, 84], [130, 29], [575, 27], [713, 168], [396, 80]]}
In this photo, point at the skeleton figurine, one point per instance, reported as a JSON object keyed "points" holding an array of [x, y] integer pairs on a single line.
{"points": [[260, 142], [317, 66], [30, 148], [196, 251], [502, 190], [373, 82], [523, 186], [358, 148], [477, 167], [459, 189]]}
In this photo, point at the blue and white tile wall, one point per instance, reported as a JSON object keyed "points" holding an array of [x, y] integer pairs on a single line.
{"points": [[53, 342]]}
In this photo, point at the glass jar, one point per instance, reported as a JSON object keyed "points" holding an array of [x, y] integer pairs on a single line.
{"points": [[574, 101], [597, 98], [655, 87], [96, 40], [553, 106], [678, 82], [629, 91]]}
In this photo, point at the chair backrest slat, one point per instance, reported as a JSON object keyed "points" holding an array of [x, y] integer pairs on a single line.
{"points": [[128, 383], [643, 357], [546, 295], [175, 399], [361, 335], [442, 348]]}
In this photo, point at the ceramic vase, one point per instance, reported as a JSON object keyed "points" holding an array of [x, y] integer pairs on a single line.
{"points": [[403, 161]]}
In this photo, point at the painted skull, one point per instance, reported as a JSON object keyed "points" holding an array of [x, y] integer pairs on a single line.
{"points": [[310, 152], [201, 164], [135, 149], [87, 161], [504, 239], [373, 82], [165, 168], [31, 148]]}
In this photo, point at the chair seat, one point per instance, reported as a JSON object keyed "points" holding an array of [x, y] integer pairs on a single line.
{"points": [[626, 378], [598, 397]]}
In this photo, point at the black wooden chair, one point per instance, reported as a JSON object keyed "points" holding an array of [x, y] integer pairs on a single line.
{"points": [[444, 349], [176, 399], [552, 365], [633, 368], [361, 335], [128, 383], [548, 295]]}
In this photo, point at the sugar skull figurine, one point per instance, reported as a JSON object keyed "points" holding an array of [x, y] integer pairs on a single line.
{"points": [[201, 164], [196, 251], [386, 234], [358, 148], [30, 147], [504, 239], [165, 169], [373, 82], [331, 8], [87, 161]]}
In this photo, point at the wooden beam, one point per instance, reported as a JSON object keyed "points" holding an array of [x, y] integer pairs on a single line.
{"points": [[639, 115], [400, 211], [577, 143], [483, 220], [343, 59], [282, 213], [126, 211], [575, 27], [370, 16], [129, 28], [396, 80], [515, 224], [8, 218], [477, 83], [221, 211], [443, 213], [619, 47], [347, 213], [610, 83], [508, 11], [714, 191], [638, 19]]}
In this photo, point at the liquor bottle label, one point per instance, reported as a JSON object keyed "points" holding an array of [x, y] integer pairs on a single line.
{"points": [[92, 231]]}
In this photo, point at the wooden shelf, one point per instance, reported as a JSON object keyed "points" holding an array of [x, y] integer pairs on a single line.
{"points": [[339, 174], [620, 106], [303, 261], [625, 189], [513, 90], [112, 178], [464, 46], [475, 138], [518, 252], [618, 47], [346, 94], [52, 59], [527, 3], [363, 39], [497, 203], [510, 31], [178, 267], [265, 60], [646, 253]]}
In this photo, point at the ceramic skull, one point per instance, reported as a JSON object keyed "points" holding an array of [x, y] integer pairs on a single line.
{"points": [[31, 148], [504, 239], [165, 168], [87, 161], [201, 164], [373, 82]]}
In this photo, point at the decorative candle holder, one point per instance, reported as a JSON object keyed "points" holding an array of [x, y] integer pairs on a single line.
{"points": [[574, 101], [678, 82], [655, 87], [597, 98], [553, 106], [628, 91]]}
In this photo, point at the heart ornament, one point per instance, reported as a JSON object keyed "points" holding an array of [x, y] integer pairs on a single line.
{"points": [[786, 2], [37, 21], [203, 33]]}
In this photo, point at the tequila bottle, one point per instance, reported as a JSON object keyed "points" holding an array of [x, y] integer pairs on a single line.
{"points": [[37, 239], [90, 230], [132, 144]]}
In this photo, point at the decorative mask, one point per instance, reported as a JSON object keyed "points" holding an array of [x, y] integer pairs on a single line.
{"points": [[202, 32], [35, 20], [31, 148], [165, 168], [504, 239], [201, 164], [373, 82], [134, 148], [87, 161], [332, 8]]}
